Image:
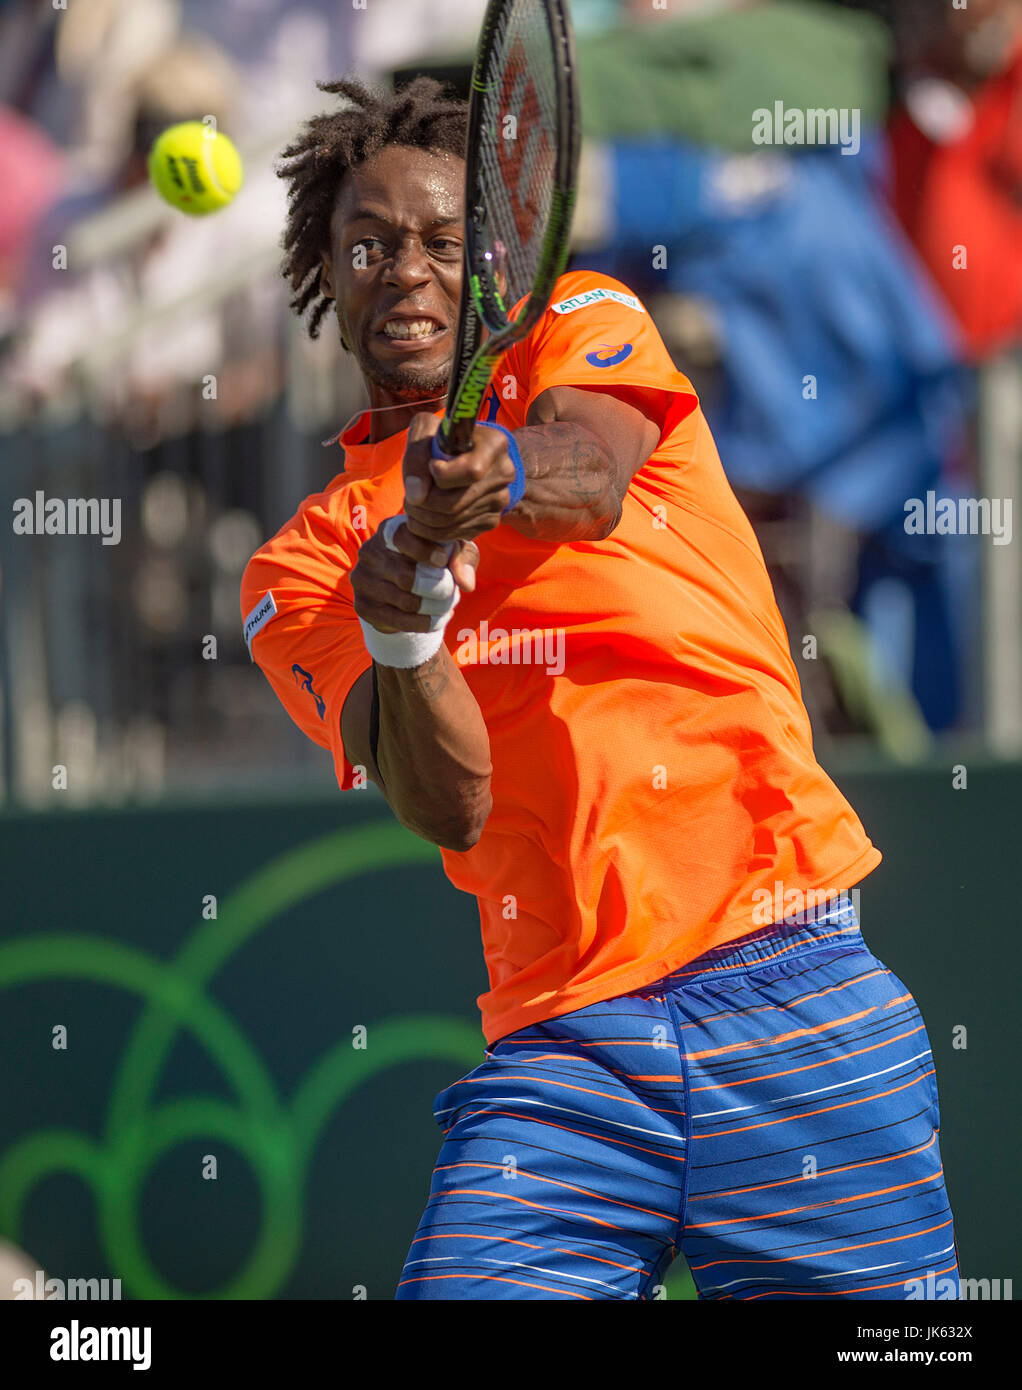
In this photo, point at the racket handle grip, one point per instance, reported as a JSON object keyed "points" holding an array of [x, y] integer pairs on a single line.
{"points": [[448, 443], [438, 453], [435, 450]]}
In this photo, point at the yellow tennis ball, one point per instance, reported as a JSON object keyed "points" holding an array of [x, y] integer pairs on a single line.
{"points": [[195, 168]]}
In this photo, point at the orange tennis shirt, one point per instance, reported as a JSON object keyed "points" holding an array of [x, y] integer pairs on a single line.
{"points": [[654, 780]]}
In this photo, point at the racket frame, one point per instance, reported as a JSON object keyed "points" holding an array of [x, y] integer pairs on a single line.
{"points": [[482, 308]]}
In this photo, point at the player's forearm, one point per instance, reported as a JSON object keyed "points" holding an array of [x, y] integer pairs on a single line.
{"points": [[434, 751], [572, 490]]}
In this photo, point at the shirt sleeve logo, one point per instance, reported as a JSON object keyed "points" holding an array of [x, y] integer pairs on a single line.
{"points": [[610, 354], [303, 679], [261, 614], [583, 301]]}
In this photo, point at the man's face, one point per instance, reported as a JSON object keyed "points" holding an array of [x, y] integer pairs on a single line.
{"points": [[395, 268]]}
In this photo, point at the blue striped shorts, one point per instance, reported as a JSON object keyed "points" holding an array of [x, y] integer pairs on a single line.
{"points": [[769, 1111]]}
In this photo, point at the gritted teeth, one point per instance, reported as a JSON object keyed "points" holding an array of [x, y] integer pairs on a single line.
{"points": [[411, 328]]}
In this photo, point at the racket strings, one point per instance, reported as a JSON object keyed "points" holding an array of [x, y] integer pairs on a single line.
{"points": [[518, 153]]}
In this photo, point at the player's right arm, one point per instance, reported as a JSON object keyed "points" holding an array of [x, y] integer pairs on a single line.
{"points": [[433, 749]]}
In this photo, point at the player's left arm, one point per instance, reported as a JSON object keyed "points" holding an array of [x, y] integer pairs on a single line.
{"points": [[580, 448]]}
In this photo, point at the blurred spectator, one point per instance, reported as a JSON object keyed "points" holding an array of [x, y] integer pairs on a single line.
{"points": [[103, 46], [29, 81], [31, 172], [957, 143], [389, 32], [282, 48], [829, 368]]}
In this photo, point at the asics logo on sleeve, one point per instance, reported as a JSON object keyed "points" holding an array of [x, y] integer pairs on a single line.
{"points": [[609, 355]]}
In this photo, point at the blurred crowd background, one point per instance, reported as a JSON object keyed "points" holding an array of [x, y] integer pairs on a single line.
{"points": [[775, 264]]}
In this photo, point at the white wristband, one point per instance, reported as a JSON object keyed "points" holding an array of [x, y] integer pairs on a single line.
{"points": [[439, 596]]}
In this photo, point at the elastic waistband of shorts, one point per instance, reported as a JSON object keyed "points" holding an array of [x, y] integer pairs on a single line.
{"points": [[827, 924]]}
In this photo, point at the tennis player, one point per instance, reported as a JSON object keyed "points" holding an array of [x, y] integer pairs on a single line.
{"points": [[592, 710]]}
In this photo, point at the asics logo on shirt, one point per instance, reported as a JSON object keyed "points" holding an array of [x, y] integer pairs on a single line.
{"points": [[610, 356]]}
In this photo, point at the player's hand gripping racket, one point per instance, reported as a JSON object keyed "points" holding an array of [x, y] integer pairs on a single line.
{"points": [[521, 166]]}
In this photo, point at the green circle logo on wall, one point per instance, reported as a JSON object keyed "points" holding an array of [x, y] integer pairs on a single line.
{"points": [[278, 1137]]}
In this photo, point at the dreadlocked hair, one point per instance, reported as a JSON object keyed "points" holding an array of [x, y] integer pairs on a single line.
{"points": [[419, 115]]}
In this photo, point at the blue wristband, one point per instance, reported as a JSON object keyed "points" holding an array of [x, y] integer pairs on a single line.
{"points": [[518, 486]]}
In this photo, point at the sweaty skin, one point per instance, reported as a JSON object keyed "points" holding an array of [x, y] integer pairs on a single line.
{"points": [[396, 256]]}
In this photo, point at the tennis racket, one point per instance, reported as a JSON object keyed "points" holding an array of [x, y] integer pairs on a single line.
{"points": [[521, 167]]}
